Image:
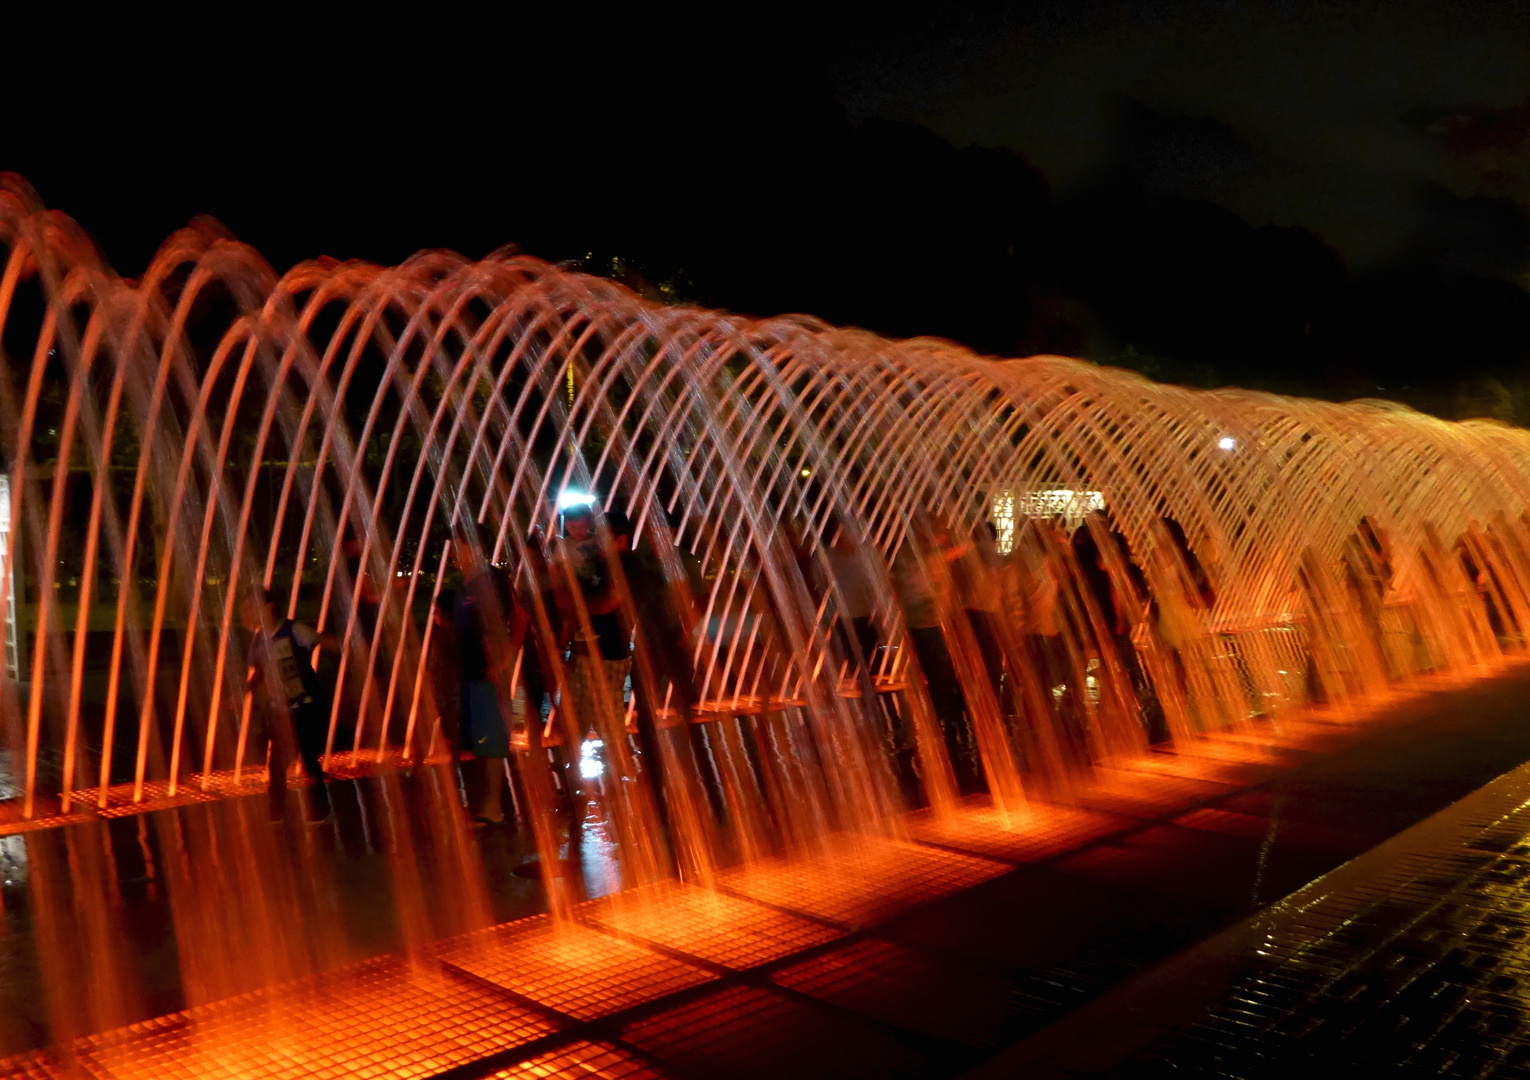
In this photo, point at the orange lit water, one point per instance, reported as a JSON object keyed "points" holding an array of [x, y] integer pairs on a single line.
{"points": [[212, 426], [486, 994]]}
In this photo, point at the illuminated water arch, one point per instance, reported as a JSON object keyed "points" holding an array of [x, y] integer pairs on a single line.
{"points": [[233, 426]]}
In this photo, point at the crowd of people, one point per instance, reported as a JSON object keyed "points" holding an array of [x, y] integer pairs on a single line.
{"points": [[491, 687], [1034, 657]]}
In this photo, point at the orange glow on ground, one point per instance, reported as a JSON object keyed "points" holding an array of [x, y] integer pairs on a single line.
{"points": [[84, 803], [1045, 831], [859, 880], [569, 968], [713, 927], [582, 1061], [522, 983], [380, 1015]]}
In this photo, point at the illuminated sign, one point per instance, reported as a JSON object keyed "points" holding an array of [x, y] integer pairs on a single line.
{"points": [[1063, 503]]}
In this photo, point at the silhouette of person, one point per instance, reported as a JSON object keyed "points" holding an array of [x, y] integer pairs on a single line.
{"points": [[1368, 575], [445, 676], [1118, 588], [1188, 595], [601, 651], [288, 701], [484, 629], [921, 614], [855, 595]]}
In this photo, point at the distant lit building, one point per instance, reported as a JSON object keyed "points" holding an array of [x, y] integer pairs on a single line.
{"points": [[1069, 505], [1004, 521]]}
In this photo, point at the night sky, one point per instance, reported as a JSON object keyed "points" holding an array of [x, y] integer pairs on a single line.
{"points": [[1330, 199], [1357, 121]]}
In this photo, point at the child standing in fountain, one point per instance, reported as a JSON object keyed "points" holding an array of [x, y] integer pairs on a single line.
{"points": [[600, 645], [287, 714]]}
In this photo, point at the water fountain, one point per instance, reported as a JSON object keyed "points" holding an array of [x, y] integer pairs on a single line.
{"points": [[1105, 564]]}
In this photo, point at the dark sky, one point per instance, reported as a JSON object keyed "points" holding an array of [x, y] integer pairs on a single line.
{"points": [[1336, 117], [1330, 198]]}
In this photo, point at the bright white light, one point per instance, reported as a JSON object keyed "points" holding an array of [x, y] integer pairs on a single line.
{"points": [[1071, 506], [1227, 442], [590, 765], [10, 658], [574, 498], [1004, 521]]}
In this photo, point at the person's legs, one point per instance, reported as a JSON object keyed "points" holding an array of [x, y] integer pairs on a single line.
{"points": [[597, 685], [276, 780], [648, 749], [586, 677], [868, 639], [491, 789], [616, 689], [472, 788], [516, 784], [939, 675], [949, 705], [1067, 700], [987, 638], [1126, 652], [311, 732]]}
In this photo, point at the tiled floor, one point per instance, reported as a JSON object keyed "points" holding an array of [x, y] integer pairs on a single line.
{"points": [[155, 794], [748, 1031], [716, 928], [860, 880], [583, 1061], [958, 944], [571, 970], [381, 1018], [1412, 960]]}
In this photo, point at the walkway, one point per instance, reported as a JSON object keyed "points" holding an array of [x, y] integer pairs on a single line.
{"points": [[1413, 959], [953, 948]]}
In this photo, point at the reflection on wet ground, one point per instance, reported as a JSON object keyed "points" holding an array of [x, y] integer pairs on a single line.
{"points": [[971, 943], [356, 844], [1412, 959]]}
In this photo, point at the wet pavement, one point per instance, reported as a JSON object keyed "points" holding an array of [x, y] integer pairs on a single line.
{"points": [[1413, 960], [356, 845], [1109, 937]]}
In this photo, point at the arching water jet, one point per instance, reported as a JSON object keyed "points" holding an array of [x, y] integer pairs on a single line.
{"points": [[1100, 565]]}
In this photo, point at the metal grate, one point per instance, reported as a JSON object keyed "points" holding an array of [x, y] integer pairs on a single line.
{"points": [[1192, 768], [1409, 959], [13, 824], [32, 1066], [724, 1023], [1123, 791], [854, 880], [914, 992], [744, 1031], [710, 926], [1225, 823], [219, 784], [379, 1018], [582, 1061], [1040, 832], [569, 968]]}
